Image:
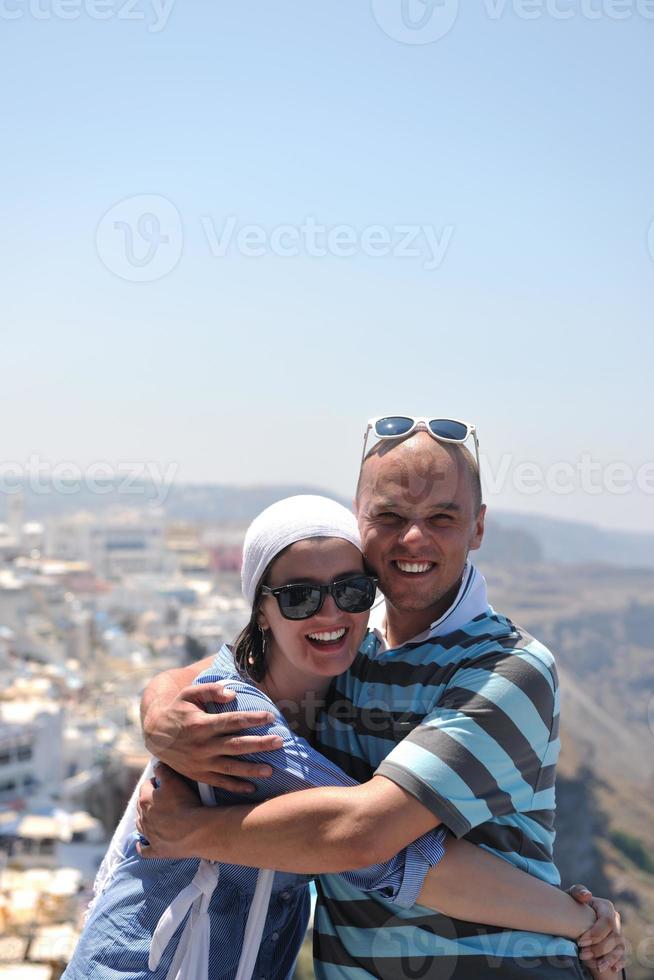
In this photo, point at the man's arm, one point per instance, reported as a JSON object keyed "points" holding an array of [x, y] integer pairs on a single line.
{"points": [[162, 690], [178, 730], [330, 829]]}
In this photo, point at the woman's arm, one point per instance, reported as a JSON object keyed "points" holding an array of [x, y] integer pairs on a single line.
{"points": [[472, 884]]}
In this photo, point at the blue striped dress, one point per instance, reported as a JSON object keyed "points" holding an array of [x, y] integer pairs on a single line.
{"points": [[116, 940]]}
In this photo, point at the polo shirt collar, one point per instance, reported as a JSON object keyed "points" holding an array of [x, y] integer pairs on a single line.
{"points": [[471, 601]]}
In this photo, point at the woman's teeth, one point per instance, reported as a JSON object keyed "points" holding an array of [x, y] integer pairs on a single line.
{"points": [[328, 637], [414, 567]]}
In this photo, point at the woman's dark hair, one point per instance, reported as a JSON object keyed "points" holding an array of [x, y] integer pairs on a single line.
{"points": [[250, 643]]}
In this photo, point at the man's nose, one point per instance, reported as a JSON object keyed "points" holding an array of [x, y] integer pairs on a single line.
{"points": [[414, 533]]}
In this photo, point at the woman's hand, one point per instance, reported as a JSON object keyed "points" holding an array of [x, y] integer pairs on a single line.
{"points": [[168, 814], [602, 947]]}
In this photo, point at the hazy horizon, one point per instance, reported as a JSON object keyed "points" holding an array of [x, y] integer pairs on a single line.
{"points": [[44, 487]]}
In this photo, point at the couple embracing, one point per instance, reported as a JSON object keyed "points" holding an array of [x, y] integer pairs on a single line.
{"points": [[420, 796]]}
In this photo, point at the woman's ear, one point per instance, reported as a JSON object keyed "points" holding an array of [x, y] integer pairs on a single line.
{"points": [[262, 621]]}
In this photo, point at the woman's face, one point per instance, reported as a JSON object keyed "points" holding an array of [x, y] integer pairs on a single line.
{"points": [[324, 645]]}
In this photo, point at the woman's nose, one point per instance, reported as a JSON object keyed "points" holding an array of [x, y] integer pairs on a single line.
{"points": [[329, 609]]}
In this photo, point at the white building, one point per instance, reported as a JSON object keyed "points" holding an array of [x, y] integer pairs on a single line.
{"points": [[31, 737], [68, 538], [16, 514], [14, 601], [130, 542], [17, 762]]}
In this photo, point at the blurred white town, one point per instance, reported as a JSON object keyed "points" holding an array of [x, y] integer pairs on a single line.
{"points": [[91, 606]]}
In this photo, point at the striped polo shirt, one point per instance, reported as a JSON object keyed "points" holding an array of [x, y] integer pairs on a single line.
{"points": [[467, 722]]}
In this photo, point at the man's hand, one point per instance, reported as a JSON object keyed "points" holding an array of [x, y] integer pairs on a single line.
{"points": [[201, 745], [168, 811], [602, 947]]}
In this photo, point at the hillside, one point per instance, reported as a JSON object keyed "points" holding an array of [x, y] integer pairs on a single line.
{"points": [[599, 622], [574, 541]]}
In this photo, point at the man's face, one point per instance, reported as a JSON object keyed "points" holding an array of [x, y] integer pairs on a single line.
{"points": [[417, 519]]}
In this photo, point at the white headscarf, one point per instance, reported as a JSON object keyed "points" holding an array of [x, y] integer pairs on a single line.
{"points": [[284, 523]]}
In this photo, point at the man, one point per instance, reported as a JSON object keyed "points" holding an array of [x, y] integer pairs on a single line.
{"points": [[449, 715]]}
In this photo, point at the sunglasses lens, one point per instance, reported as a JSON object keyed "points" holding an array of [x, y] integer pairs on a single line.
{"points": [[355, 594], [299, 601], [394, 425], [449, 429]]}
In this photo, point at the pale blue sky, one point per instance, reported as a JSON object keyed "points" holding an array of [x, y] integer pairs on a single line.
{"points": [[526, 146]]}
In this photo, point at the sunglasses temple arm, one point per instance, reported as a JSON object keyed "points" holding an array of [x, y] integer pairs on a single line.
{"points": [[476, 441], [365, 443]]}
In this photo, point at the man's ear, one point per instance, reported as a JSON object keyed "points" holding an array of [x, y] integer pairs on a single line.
{"points": [[478, 530]]}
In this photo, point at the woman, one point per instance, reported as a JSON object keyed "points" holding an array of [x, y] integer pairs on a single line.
{"points": [[193, 919]]}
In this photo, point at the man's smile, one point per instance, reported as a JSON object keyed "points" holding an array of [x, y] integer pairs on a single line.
{"points": [[413, 567]]}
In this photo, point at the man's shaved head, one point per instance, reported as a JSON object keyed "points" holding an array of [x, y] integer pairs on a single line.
{"points": [[420, 514], [420, 450]]}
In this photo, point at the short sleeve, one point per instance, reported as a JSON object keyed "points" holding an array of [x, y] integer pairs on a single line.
{"points": [[486, 746]]}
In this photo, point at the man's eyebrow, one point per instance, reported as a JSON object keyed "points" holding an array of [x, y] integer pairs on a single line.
{"points": [[448, 505]]}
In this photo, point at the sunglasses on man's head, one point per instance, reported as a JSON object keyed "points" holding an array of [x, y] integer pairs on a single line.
{"points": [[300, 600], [444, 430]]}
